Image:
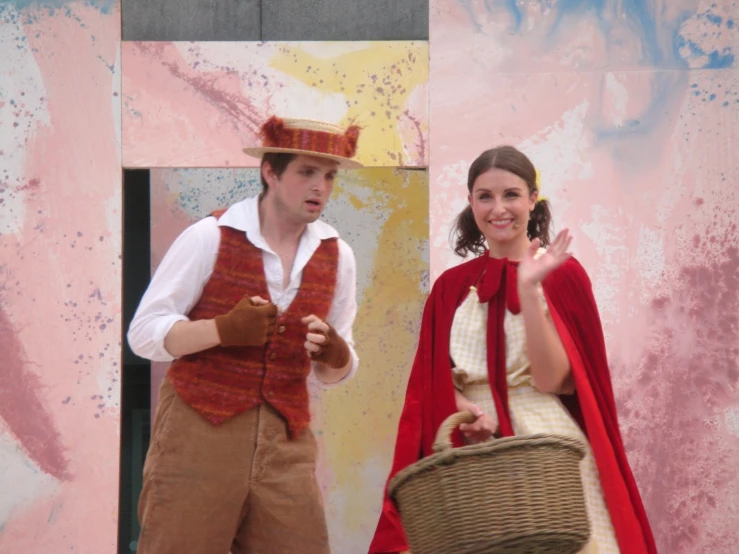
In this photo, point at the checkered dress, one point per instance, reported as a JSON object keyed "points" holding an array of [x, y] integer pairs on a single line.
{"points": [[531, 411]]}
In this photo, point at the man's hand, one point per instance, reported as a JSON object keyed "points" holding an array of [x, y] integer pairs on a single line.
{"points": [[250, 323], [324, 344]]}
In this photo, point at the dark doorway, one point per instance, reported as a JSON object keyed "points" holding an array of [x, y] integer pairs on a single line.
{"points": [[136, 372]]}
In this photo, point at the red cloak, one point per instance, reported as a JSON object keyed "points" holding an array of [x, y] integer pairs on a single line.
{"points": [[430, 399]]}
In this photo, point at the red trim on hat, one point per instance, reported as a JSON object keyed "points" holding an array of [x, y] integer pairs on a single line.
{"points": [[275, 135]]}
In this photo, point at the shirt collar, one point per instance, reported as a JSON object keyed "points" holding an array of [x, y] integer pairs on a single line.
{"points": [[244, 216]]}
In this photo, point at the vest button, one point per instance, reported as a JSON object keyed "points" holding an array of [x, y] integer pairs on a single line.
{"points": [[281, 329], [272, 355]]}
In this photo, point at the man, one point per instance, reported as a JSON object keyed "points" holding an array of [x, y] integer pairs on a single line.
{"points": [[246, 304]]}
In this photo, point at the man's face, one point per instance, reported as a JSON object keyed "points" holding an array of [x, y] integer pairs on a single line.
{"points": [[303, 189]]}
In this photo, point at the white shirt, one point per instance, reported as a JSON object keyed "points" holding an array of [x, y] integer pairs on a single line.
{"points": [[179, 280]]}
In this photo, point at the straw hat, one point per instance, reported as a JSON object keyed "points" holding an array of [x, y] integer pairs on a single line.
{"points": [[312, 138]]}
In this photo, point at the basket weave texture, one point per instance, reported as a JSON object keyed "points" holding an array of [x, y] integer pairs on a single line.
{"points": [[514, 495]]}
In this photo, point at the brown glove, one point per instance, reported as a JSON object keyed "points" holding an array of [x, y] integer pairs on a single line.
{"points": [[247, 324], [333, 352]]}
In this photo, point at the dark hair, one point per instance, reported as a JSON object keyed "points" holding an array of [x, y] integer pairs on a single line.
{"points": [[278, 161], [468, 235]]}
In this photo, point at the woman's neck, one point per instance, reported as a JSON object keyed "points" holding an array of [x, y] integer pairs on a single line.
{"points": [[513, 250]]}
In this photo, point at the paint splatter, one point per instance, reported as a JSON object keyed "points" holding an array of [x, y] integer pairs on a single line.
{"points": [[62, 181], [689, 374], [30, 11], [22, 408], [207, 84], [594, 35], [391, 73], [217, 95]]}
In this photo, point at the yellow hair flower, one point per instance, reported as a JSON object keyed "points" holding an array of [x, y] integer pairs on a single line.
{"points": [[540, 197]]}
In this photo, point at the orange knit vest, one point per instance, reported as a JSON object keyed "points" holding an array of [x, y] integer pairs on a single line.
{"points": [[220, 383]]}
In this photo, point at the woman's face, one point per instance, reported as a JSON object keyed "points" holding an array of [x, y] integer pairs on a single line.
{"points": [[502, 204]]}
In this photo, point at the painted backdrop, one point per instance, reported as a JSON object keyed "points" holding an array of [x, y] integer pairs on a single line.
{"points": [[60, 276], [382, 213], [196, 104], [630, 110]]}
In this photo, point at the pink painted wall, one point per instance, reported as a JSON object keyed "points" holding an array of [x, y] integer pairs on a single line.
{"points": [[60, 290], [630, 111], [196, 104]]}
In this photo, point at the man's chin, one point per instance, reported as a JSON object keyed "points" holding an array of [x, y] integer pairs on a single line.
{"points": [[312, 217]]}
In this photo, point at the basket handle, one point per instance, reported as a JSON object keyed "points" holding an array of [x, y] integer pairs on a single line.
{"points": [[443, 439]]}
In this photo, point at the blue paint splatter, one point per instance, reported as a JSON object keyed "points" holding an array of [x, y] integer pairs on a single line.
{"points": [[661, 42], [720, 61], [29, 5], [466, 5], [715, 19], [508, 5], [666, 86], [716, 59], [110, 67], [640, 15], [580, 6], [576, 7], [512, 7], [632, 144]]}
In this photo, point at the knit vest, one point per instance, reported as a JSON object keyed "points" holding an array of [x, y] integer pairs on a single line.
{"points": [[220, 383]]}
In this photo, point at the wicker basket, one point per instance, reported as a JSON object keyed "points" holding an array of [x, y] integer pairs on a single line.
{"points": [[515, 495]]}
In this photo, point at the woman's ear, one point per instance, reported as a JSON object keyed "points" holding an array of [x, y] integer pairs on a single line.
{"points": [[533, 199]]}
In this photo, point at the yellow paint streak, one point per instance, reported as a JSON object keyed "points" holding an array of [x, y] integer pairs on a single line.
{"points": [[356, 202], [377, 82], [362, 420]]}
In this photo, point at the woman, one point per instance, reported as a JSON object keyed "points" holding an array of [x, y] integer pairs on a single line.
{"points": [[514, 337]]}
